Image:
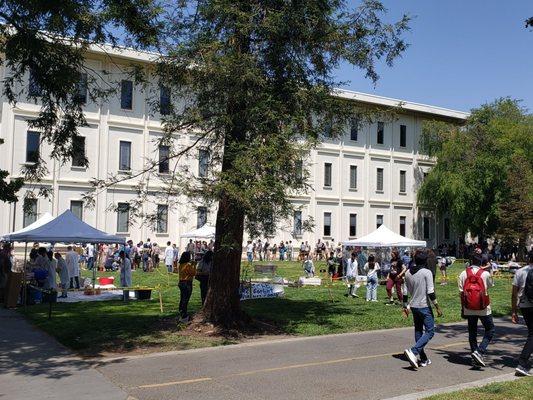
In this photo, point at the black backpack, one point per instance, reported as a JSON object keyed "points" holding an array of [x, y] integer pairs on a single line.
{"points": [[528, 288]]}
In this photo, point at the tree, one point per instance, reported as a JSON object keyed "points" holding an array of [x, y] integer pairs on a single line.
{"points": [[48, 41], [476, 163], [257, 79]]}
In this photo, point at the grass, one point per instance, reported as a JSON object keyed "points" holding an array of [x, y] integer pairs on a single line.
{"points": [[520, 389], [94, 327]]}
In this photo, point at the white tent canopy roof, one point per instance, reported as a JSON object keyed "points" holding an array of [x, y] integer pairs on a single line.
{"points": [[384, 237], [44, 219], [205, 232]]}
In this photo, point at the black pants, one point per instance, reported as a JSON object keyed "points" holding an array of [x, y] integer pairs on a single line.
{"points": [[488, 325], [77, 279], [185, 294], [528, 347], [204, 285]]}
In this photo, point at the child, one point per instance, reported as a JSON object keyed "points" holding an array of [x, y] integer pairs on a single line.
{"points": [[309, 268], [371, 269]]}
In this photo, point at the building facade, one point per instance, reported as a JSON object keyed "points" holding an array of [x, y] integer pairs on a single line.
{"points": [[366, 178]]}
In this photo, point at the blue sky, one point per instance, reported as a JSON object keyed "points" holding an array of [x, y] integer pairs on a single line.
{"points": [[462, 53]]}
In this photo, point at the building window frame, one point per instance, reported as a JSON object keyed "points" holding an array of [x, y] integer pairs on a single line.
{"points": [[124, 157], [297, 223], [77, 204], [327, 224], [164, 162], [126, 95], [82, 88], [201, 216], [403, 225], [353, 177], [379, 220], [403, 181], [403, 136], [380, 133], [328, 172], [354, 129], [162, 218], [29, 212], [123, 217], [33, 154], [380, 180], [352, 225], [426, 227], [79, 152], [203, 163], [165, 100]]}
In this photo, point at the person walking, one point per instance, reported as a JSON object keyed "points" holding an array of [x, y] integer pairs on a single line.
{"points": [[474, 283], [522, 298], [350, 276], [371, 269], [419, 282], [169, 257], [125, 270], [90, 256], [395, 277], [73, 264], [186, 271], [250, 251], [62, 271], [202, 273]]}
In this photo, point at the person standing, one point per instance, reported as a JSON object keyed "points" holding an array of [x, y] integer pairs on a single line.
{"points": [[260, 250], [169, 257], [175, 258], [474, 283], [250, 251], [202, 273], [186, 271], [51, 268], [62, 271], [125, 270], [522, 299], [395, 277], [308, 266], [371, 268], [290, 249], [350, 276], [420, 286], [146, 255], [331, 262], [73, 264], [90, 256]]}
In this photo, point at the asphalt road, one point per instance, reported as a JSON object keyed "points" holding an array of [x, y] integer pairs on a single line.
{"points": [[354, 366]]}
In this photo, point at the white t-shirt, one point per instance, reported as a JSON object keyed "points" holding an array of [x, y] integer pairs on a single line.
{"points": [[519, 281], [487, 281], [250, 248]]}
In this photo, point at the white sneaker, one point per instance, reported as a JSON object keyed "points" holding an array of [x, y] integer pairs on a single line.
{"points": [[424, 363], [478, 358], [411, 358], [521, 371]]}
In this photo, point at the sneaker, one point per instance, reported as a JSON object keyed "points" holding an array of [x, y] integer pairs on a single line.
{"points": [[411, 358], [355, 296], [346, 294], [424, 363], [522, 371], [389, 303], [374, 301], [477, 357]]}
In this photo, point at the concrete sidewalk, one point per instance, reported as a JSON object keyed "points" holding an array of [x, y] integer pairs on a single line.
{"points": [[34, 366], [367, 365]]}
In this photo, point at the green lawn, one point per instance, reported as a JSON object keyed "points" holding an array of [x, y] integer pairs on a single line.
{"points": [[93, 327], [520, 389]]}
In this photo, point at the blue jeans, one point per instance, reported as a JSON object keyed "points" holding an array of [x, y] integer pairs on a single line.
{"points": [[372, 288], [250, 256], [488, 324], [424, 330], [90, 263]]}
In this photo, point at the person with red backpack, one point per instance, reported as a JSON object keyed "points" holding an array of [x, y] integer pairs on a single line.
{"points": [[474, 283]]}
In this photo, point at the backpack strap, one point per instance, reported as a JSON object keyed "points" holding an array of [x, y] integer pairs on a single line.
{"points": [[480, 272]]}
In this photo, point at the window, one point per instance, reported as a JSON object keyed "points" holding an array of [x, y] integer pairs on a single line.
{"points": [[425, 175], [164, 100], [33, 141], [78, 156], [447, 228], [354, 128], [403, 182], [403, 136], [328, 130], [30, 212], [379, 180], [34, 89], [381, 131], [126, 95], [81, 89], [353, 176], [125, 156], [201, 217], [203, 163], [299, 168], [123, 217], [327, 174], [76, 206], [353, 225], [297, 223], [162, 218], [379, 221], [164, 152], [425, 222], [402, 226], [327, 224]]}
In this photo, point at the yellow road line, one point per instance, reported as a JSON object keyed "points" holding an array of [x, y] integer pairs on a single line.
{"points": [[288, 367]]}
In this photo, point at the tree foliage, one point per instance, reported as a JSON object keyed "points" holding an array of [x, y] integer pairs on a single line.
{"points": [[484, 169]]}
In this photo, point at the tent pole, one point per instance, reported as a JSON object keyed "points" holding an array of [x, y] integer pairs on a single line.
{"points": [[24, 295], [95, 265]]}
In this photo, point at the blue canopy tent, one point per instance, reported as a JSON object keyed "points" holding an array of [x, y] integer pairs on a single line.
{"points": [[66, 228]]}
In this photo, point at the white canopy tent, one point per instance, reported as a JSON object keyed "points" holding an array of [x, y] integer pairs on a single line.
{"points": [[384, 237], [205, 232], [44, 219]]}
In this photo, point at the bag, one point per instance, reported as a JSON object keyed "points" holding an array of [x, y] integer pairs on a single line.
{"points": [[528, 288], [475, 296]]}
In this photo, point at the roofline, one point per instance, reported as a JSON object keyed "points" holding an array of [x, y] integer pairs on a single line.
{"points": [[443, 113]]}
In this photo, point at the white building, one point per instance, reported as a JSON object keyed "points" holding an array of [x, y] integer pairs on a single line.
{"points": [[368, 177]]}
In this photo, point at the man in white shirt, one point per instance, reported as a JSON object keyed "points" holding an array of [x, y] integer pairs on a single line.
{"points": [[523, 298], [90, 256], [350, 276], [250, 251], [73, 265], [169, 257], [476, 274]]}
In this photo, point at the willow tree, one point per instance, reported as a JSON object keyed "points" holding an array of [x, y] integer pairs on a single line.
{"points": [[255, 82]]}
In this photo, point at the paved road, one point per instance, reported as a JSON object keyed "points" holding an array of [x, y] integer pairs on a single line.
{"points": [[348, 366], [33, 366]]}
